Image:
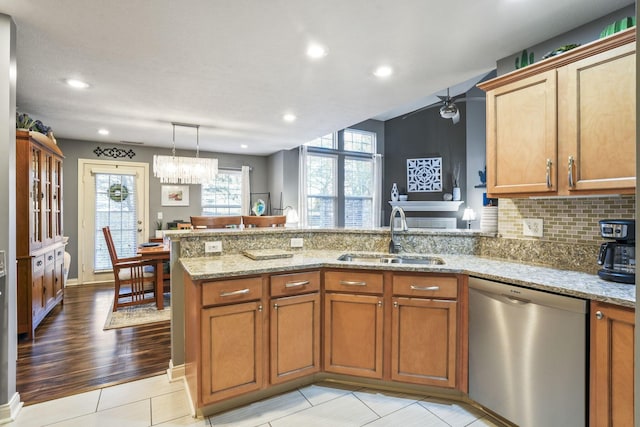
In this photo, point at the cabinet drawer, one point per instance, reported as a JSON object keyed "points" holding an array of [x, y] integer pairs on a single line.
{"points": [[425, 286], [38, 264], [231, 291], [353, 282], [295, 283]]}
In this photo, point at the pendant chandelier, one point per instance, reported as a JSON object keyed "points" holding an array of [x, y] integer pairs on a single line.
{"points": [[184, 170]]}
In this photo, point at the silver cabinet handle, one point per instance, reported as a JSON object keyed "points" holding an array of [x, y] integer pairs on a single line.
{"points": [[234, 293], [548, 173], [296, 284], [352, 283], [599, 315], [571, 161], [425, 288]]}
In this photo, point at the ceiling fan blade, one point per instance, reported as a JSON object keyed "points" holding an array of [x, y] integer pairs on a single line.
{"points": [[426, 107]]}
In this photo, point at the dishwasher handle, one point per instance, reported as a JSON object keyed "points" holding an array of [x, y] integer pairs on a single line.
{"points": [[516, 300]]}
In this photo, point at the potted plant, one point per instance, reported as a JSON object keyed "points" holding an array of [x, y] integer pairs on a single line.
{"points": [[159, 229], [455, 175]]}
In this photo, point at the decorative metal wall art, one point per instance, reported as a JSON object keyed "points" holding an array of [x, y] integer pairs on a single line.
{"points": [[115, 152], [424, 175]]}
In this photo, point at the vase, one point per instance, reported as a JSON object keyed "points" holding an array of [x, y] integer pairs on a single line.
{"points": [[456, 194], [394, 192]]}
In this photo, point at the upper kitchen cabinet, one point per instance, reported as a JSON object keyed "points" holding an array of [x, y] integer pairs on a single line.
{"points": [[565, 125]]}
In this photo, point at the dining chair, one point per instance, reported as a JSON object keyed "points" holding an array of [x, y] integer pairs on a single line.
{"points": [[216, 221], [134, 277], [185, 226], [264, 221]]}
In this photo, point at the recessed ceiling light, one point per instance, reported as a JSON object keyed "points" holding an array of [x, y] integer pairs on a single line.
{"points": [[103, 131], [77, 84], [244, 146], [316, 51], [289, 118], [383, 71]]}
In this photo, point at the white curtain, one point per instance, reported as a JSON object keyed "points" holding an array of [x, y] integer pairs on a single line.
{"points": [[246, 191], [302, 186], [378, 208]]}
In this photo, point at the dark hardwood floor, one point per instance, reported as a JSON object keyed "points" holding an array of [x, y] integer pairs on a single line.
{"points": [[70, 353]]}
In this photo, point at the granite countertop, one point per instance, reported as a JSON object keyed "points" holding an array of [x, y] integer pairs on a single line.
{"points": [[581, 285]]}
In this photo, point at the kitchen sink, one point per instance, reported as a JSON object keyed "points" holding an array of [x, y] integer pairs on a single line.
{"points": [[392, 259]]}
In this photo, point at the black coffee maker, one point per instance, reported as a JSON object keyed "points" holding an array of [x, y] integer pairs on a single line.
{"points": [[618, 259]]}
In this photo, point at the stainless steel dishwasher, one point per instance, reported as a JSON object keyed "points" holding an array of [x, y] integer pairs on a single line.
{"points": [[528, 354]]}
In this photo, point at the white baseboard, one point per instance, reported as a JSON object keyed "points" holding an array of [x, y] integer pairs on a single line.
{"points": [[9, 411], [175, 373]]}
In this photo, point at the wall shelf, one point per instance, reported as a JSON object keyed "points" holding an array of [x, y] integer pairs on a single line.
{"points": [[428, 205]]}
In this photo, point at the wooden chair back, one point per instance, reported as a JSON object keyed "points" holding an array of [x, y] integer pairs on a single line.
{"points": [[134, 278], [264, 221], [185, 226], [216, 221]]}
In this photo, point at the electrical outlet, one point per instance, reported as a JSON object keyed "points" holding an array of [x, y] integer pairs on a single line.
{"points": [[532, 227], [212, 247], [297, 242]]}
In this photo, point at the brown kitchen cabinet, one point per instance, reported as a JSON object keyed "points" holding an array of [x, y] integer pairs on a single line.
{"points": [[551, 131], [294, 326], [424, 334], [612, 369], [353, 323], [39, 240], [224, 338]]}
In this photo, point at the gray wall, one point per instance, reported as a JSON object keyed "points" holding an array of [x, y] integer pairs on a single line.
{"points": [[8, 289], [581, 35], [420, 135], [74, 150]]}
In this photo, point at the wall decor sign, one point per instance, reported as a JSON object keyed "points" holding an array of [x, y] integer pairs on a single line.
{"points": [[175, 195], [424, 175], [115, 153]]}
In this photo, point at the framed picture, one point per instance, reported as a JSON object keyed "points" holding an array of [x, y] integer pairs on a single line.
{"points": [[424, 175], [175, 195]]}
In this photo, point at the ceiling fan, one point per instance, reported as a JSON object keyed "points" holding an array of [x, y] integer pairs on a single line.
{"points": [[448, 108]]}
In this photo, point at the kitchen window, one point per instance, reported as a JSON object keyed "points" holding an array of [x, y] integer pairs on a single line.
{"points": [[340, 181], [224, 195]]}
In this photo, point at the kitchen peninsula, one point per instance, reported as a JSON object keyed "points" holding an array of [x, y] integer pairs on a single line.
{"points": [[303, 293]]}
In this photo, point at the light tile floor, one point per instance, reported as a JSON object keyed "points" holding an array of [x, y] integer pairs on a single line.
{"points": [[157, 402]]}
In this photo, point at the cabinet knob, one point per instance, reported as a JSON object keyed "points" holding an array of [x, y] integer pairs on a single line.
{"points": [[599, 315], [395, 304], [379, 303], [275, 306]]}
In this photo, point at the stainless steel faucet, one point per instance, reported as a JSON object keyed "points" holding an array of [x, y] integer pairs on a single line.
{"points": [[394, 246]]}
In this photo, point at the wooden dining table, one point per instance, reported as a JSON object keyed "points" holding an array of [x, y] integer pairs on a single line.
{"points": [[160, 254]]}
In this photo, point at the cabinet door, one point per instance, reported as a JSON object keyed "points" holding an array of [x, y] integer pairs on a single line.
{"points": [[522, 136], [295, 337], [424, 341], [353, 334], [597, 124], [58, 285], [49, 284], [232, 350], [612, 371], [37, 287]]}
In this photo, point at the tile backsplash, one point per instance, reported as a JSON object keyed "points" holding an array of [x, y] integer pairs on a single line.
{"points": [[565, 220]]}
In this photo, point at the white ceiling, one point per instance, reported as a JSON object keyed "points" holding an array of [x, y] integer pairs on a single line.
{"points": [[236, 66]]}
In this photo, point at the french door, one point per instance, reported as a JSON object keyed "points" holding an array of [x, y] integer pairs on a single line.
{"points": [[113, 194]]}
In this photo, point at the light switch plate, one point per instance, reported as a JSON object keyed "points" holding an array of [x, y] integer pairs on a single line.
{"points": [[212, 247], [532, 227], [297, 242], [159, 215]]}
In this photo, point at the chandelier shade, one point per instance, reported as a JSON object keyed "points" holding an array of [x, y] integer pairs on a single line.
{"points": [[184, 170]]}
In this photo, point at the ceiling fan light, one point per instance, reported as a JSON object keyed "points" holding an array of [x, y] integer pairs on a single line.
{"points": [[448, 111]]}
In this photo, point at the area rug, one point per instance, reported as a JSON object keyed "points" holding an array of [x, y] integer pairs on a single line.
{"points": [[138, 315]]}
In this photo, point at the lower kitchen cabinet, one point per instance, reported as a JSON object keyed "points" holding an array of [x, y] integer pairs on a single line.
{"points": [[232, 350], [424, 342], [353, 327], [612, 370], [295, 337]]}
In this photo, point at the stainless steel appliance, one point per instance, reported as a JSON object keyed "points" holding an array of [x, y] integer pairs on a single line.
{"points": [[527, 354], [618, 259]]}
